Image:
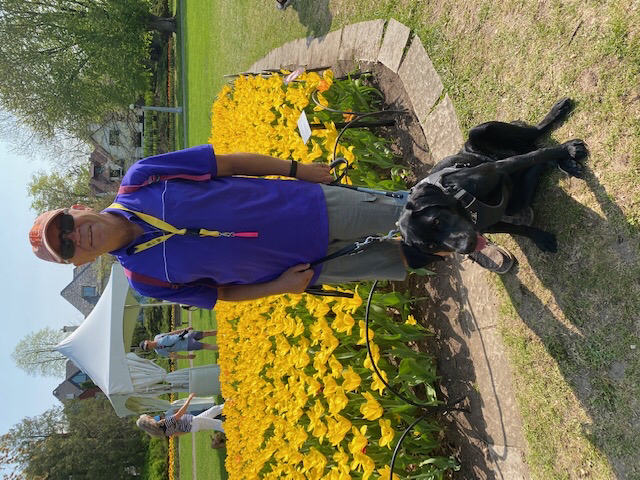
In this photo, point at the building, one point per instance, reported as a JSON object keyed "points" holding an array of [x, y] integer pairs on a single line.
{"points": [[105, 174], [77, 384], [121, 136], [83, 292]]}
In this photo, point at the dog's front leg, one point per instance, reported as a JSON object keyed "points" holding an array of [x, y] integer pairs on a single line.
{"points": [[545, 241], [567, 156]]}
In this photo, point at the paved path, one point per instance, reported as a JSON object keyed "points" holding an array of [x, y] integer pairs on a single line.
{"points": [[494, 420]]}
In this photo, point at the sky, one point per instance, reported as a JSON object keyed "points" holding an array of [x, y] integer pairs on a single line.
{"points": [[29, 292]]}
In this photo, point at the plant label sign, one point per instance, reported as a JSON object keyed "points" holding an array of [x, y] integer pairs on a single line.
{"points": [[293, 75], [304, 128]]}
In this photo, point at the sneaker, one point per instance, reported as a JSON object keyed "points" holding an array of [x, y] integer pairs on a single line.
{"points": [[494, 258], [523, 217], [282, 5]]}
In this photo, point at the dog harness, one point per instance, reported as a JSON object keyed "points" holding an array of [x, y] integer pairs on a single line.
{"points": [[482, 215]]}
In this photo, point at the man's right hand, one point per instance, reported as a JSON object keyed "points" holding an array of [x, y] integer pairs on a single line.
{"points": [[295, 279]]}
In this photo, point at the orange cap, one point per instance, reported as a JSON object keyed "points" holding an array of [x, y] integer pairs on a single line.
{"points": [[38, 237]]}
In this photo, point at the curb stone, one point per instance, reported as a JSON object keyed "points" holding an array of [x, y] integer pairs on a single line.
{"points": [[420, 79], [395, 40], [442, 131]]}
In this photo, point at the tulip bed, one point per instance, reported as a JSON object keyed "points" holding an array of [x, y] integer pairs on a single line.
{"points": [[302, 398]]}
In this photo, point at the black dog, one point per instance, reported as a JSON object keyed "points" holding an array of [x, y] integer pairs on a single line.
{"points": [[495, 174]]}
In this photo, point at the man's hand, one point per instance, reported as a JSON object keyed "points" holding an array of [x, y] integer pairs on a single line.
{"points": [[314, 172], [188, 329], [295, 279]]}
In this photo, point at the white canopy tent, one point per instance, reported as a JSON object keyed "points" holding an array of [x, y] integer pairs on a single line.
{"points": [[100, 347]]}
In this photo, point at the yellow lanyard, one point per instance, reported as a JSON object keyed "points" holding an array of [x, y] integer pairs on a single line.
{"points": [[171, 230]]}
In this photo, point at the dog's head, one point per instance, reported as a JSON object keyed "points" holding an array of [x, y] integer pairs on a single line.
{"points": [[433, 222]]}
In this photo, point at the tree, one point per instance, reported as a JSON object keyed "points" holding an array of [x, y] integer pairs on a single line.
{"points": [[83, 439], [66, 63], [89, 441], [63, 188], [34, 354], [22, 438]]}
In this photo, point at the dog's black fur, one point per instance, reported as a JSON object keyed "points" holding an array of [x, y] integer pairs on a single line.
{"points": [[496, 154]]}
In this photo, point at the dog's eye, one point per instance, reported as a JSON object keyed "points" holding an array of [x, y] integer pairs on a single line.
{"points": [[431, 246], [435, 223]]}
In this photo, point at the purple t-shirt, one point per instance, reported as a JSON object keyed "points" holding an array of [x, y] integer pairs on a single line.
{"points": [[289, 215]]}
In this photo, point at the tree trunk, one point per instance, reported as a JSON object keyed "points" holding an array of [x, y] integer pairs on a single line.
{"points": [[161, 24]]}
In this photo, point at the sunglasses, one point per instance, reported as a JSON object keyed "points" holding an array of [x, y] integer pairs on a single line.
{"points": [[66, 226]]}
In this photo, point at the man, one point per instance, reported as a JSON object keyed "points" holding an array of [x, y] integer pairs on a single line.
{"points": [[187, 226], [182, 340], [268, 231]]}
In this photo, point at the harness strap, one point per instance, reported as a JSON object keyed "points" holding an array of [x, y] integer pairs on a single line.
{"points": [[162, 178], [146, 280], [481, 214], [156, 282]]}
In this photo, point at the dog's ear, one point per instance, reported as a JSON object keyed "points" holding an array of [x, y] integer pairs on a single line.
{"points": [[425, 195], [410, 205], [416, 258]]}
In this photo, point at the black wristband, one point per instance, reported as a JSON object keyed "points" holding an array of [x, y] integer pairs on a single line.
{"points": [[294, 169]]}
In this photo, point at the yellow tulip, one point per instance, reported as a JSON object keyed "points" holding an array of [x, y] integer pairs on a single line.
{"points": [[337, 428], [371, 409], [385, 471], [378, 384], [335, 366], [319, 431], [338, 401], [351, 380], [375, 353], [363, 339], [359, 440], [330, 387], [343, 323], [386, 433]]}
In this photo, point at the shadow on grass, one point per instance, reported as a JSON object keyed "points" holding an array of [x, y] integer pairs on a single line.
{"points": [[314, 15], [594, 281]]}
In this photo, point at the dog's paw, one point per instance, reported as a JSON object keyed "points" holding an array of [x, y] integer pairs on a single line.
{"points": [[577, 151], [562, 108], [570, 167], [546, 242]]}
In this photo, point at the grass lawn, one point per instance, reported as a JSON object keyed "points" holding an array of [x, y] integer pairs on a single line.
{"points": [[570, 320]]}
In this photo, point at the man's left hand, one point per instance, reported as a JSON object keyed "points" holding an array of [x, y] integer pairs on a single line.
{"points": [[314, 172]]}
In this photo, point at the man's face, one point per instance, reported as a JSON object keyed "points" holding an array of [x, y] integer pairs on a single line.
{"points": [[93, 234]]}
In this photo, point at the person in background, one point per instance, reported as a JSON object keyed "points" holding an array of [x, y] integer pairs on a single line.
{"points": [[182, 340], [182, 422]]}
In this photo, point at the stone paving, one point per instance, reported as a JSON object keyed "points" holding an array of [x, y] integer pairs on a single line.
{"points": [[386, 43]]}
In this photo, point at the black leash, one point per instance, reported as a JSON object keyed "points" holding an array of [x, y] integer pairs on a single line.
{"points": [[352, 249]]}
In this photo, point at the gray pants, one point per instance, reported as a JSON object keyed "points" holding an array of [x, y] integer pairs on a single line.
{"points": [[353, 216]]}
